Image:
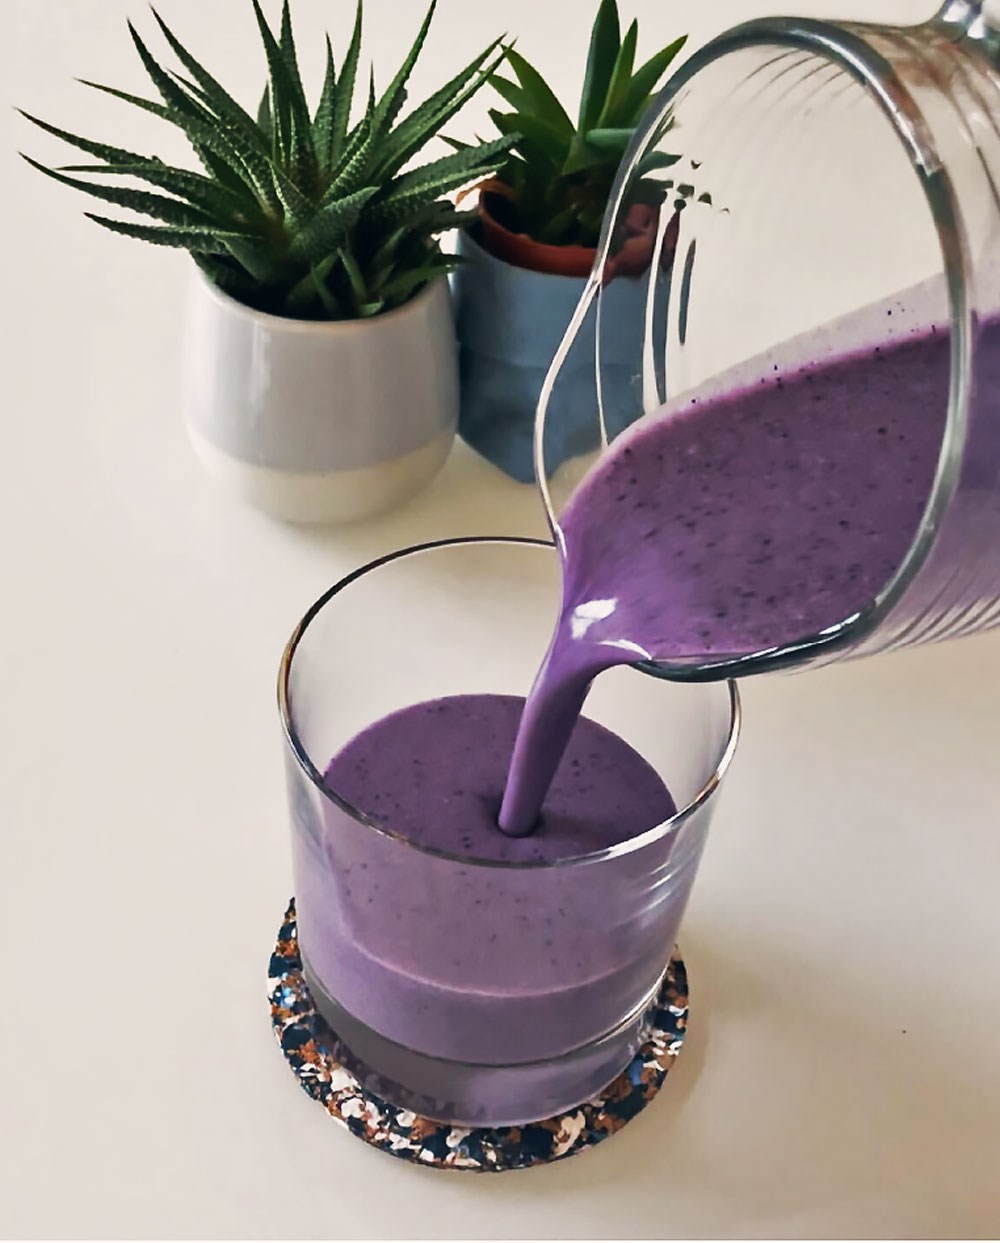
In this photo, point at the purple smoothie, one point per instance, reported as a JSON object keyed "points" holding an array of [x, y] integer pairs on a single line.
{"points": [[737, 522], [427, 934], [434, 774], [752, 514], [459, 956]]}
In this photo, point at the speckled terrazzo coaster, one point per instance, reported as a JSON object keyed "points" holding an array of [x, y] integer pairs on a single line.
{"points": [[312, 1051]]}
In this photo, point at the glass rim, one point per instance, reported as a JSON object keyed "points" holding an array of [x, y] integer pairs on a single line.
{"points": [[839, 43], [301, 754]]}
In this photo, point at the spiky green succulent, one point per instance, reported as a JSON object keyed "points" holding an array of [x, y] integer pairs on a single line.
{"points": [[297, 212], [560, 174]]}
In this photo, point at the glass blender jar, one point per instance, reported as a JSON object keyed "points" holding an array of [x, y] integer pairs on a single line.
{"points": [[823, 189]]}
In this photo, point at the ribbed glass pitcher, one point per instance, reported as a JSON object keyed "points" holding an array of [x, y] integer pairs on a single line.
{"points": [[806, 196]]}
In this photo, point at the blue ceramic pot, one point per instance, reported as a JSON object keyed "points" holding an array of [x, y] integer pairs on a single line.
{"points": [[510, 323]]}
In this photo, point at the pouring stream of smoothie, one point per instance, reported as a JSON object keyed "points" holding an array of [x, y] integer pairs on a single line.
{"points": [[735, 523]]}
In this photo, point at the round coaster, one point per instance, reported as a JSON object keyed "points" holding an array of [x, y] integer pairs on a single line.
{"points": [[312, 1051]]}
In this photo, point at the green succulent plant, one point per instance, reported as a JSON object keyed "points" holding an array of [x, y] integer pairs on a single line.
{"points": [[297, 212], [559, 175]]}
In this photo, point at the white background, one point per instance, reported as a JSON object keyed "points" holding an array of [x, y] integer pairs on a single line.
{"points": [[843, 1070]]}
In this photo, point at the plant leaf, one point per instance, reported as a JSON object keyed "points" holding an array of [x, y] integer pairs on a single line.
{"points": [[310, 291], [403, 203], [451, 171], [354, 274], [424, 122], [265, 120], [174, 94], [100, 150], [345, 89], [289, 104], [297, 208], [170, 211], [556, 226], [323, 121], [604, 48], [313, 287], [445, 215], [178, 94], [527, 129], [403, 286], [434, 218], [540, 96], [402, 210], [511, 93], [613, 141], [644, 82], [222, 141], [349, 174], [257, 258], [392, 101], [287, 44], [383, 262], [354, 171], [305, 164], [204, 241], [214, 199], [330, 226], [217, 97], [193, 89], [582, 156], [226, 275], [170, 91], [621, 77]]}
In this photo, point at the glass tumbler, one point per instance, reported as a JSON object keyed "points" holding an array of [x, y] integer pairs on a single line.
{"points": [[474, 992], [819, 191]]}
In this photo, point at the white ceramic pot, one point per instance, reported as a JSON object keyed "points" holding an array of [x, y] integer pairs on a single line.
{"points": [[321, 422]]}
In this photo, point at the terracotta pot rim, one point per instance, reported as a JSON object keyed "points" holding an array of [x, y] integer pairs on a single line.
{"points": [[519, 267], [582, 256]]}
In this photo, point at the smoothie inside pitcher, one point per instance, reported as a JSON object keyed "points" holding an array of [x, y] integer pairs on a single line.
{"points": [[790, 421], [758, 510]]}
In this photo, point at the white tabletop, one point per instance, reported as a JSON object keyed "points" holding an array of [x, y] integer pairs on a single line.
{"points": [[842, 1075]]}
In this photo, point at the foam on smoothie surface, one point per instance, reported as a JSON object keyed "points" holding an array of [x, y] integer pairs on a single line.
{"points": [[434, 773]]}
